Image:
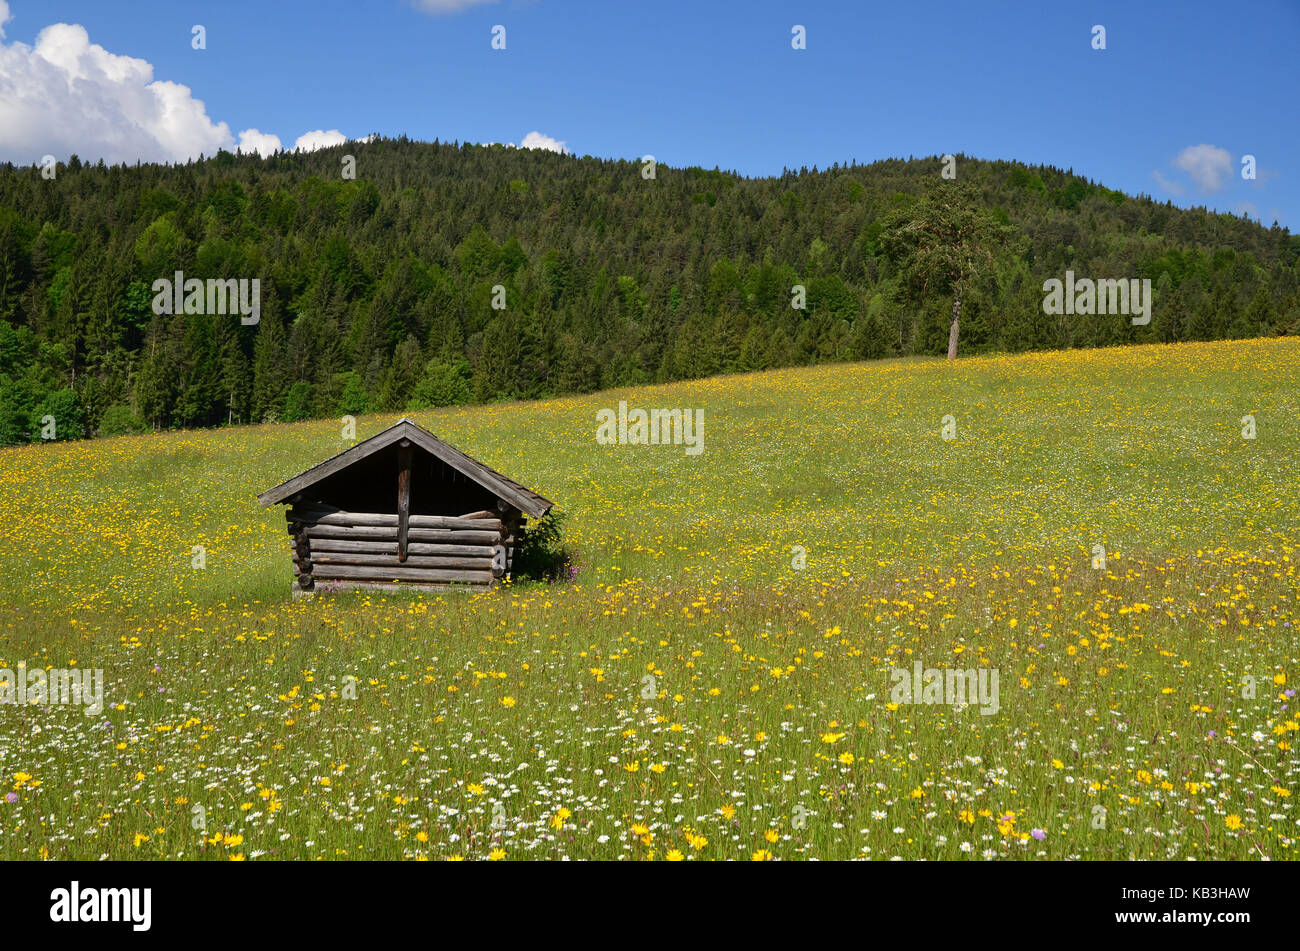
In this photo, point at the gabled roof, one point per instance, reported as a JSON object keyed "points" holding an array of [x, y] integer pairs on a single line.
{"points": [[524, 499]]}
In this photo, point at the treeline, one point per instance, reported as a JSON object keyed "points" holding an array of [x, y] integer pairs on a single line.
{"points": [[378, 292]]}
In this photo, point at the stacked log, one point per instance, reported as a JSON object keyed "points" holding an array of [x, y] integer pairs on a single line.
{"points": [[361, 549]]}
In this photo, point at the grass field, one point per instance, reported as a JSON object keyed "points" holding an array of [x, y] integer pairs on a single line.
{"points": [[692, 692]]}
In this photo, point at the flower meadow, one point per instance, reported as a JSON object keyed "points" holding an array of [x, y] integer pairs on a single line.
{"points": [[713, 680]]}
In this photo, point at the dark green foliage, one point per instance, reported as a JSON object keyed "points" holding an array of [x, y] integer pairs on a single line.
{"points": [[377, 294], [18, 348], [16, 402], [540, 554], [300, 402]]}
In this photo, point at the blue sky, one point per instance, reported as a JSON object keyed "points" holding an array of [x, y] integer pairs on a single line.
{"points": [[1182, 91]]}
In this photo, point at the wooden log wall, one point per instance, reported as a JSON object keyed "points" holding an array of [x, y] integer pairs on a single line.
{"points": [[363, 549]]}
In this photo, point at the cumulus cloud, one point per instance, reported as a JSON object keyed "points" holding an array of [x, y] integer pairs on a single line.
{"points": [[66, 94], [263, 143], [535, 140], [438, 7], [1209, 166], [319, 139]]}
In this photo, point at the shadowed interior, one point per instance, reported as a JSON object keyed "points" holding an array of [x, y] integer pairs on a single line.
{"points": [[370, 485]]}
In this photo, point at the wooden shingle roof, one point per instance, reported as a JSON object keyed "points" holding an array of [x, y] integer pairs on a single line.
{"points": [[503, 487]]}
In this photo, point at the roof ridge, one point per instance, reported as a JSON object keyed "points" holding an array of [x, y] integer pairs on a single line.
{"points": [[538, 507]]}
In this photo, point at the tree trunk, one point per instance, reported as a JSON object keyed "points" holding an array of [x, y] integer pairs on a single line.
{"points": [[956, 326]]}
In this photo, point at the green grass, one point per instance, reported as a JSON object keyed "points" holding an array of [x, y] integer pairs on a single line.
{"points": [[1120, 688]]}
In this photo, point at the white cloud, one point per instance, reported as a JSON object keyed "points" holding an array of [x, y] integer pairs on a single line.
{"points": [[438, 7], [319, 139], [263, 143], [1209, 166], [535, 140], [66, 94]]}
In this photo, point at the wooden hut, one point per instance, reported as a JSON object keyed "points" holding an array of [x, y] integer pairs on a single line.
{"points": [[403, 508]]}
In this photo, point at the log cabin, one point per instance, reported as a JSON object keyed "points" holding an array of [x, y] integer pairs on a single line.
{"points": [[403, 509]]}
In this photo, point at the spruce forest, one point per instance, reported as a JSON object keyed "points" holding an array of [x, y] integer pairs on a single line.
{"points": [[444, 274]]}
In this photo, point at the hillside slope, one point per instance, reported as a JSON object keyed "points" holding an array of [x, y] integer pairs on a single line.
{"points": [[607, 277], [699, 687]]}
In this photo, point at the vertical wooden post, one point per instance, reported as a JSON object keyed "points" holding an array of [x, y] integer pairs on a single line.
{"points": [[403, 495], [301, 553]]}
